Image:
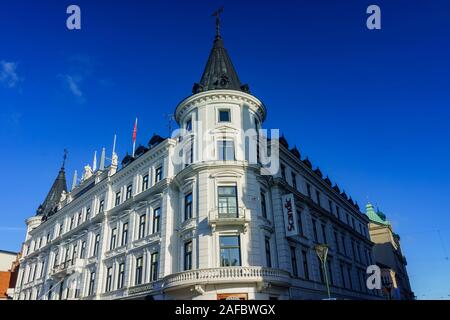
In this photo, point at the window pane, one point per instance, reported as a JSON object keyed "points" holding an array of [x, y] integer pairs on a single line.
{"points": [[227, 241], [224, 115]]}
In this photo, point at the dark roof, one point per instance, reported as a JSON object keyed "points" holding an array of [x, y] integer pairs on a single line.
{"points": [[140, 151], [54, 195], [307, 163], [295, 152], [155, 140], [219, 72], [127, 160], [283, 141]]}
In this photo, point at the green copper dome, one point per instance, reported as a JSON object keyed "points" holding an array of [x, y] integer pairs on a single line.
{"points": [[375, 217]]}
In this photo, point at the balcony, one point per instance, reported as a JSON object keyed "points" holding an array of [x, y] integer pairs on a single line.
{"points": [[258, 275], [220, 219], [67, 268]]}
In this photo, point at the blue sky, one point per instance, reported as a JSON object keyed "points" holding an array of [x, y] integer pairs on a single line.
{"points": [[371, 108]]}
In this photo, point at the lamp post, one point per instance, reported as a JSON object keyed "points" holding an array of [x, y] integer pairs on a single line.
{"points": [[322, 253]]}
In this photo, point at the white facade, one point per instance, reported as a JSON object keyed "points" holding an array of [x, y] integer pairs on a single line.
{"points": [[164, 276], [198, 230]]}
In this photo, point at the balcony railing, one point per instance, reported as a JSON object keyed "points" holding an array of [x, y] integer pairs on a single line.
{"points": [[68, 267], [227, 275], [216, 218]]}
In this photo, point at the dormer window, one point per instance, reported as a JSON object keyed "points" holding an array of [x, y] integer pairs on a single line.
{"points": [[224, 115]]}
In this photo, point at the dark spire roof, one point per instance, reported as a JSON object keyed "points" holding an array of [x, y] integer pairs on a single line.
{"points": [[47, 208], [219, 72]]}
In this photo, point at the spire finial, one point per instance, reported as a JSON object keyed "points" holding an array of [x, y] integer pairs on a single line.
{"points": [[217, 15], [64, 158]]}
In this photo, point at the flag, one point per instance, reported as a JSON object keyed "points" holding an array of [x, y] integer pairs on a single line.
{"points": [[135, 131]]}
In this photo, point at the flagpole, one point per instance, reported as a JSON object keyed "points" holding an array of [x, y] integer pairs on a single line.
{"points": [[134, 136]]}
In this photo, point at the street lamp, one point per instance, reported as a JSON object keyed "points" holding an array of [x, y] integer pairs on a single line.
{"points": [[322, 253]]}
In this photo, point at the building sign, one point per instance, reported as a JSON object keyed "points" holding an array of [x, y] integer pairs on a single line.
{"points": [[141, 288], [290, 215]]}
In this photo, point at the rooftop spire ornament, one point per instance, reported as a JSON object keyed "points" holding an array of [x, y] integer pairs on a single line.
{"points": [[64, 158], [217, 15]]}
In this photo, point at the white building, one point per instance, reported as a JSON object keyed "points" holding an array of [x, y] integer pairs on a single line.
{"points": [[210, 228]]}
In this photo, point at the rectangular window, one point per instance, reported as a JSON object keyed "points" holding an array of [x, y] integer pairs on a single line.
{"points": [[108, 279], [154, 266], [322, 279], [343, 244], [308, 189], [158, 174], [330, 271], [189, 153], [129, 192], [124, 234], [230, 252], [294, 262], [48, 238], [338, 213], [142, 222], [227, 201], [353, 249], [117, 202], [188, 206], [224, 115], [305, 264], [72, 219], [88, 213], [91, 284], [188, 255], [283, 172], [138, 275], [83, 250], [121, 276], [61, 290], [112, 243], [330, 206], [318, 197], [263, 205], [101, 207], [96, 244], [294, 180], [299, 222], [350, 277], [314, 222], [156, 220], [268, 255], [336, 240], [55, 262], [225, 150], [80, 218], [145, 182], [343, 276], [74, 253], [324, 234], [188, 125]]}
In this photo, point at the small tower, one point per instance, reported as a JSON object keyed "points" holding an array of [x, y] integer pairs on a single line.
{"points": [[47, 208]]}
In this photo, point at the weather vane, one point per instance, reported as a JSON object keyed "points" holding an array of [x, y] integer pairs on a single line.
{"points": [[217, 15]]}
